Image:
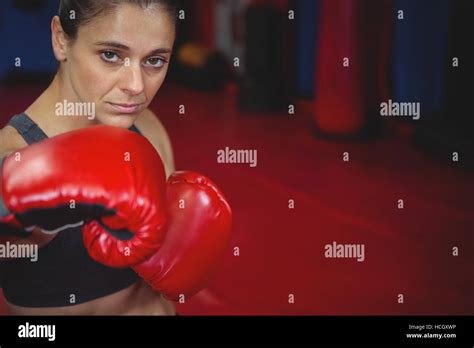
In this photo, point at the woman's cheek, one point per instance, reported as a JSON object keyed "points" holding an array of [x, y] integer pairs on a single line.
{"points": [[94, 79], [93, 71]]}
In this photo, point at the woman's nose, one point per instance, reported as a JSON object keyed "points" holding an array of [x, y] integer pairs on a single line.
{"points": [[132, 79]]}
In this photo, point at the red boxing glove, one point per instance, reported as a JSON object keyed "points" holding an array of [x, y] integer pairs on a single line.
{"points": [[109, 177], [198, 232]]}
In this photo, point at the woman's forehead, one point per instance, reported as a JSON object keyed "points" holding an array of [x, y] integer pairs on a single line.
{"points": [[133, 26]]}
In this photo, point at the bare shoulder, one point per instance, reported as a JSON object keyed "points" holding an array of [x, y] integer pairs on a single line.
{"points": [[10, 141], [152, 128]]}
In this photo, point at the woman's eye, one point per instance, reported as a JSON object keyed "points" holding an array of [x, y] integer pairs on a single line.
{"points": [[156, 62], [110, 57]]}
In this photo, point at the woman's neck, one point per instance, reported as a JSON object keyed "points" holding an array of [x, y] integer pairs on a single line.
{"points": [[44, 110]]}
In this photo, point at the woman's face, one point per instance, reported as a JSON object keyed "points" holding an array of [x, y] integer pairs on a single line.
{"points": [[119, 62]]}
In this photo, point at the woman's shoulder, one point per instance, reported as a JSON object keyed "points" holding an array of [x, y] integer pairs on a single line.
{"points": [[10, 141]]}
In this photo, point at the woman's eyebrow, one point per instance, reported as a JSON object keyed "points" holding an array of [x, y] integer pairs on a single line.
{"points": [[123, 47]]}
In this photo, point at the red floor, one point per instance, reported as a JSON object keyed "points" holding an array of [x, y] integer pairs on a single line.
{"points": [[282, 251]]}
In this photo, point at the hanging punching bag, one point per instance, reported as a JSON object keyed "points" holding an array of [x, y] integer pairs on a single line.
{"points": [[450, 135], [307, 16], [263, 87], [352, 35], [203, 23], [460, 76], [420, 37]]}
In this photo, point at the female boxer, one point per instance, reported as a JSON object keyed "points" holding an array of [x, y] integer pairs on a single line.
{"points": [[113, 55]]}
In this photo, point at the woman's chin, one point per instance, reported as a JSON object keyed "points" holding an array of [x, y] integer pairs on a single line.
{"points": [[121, 121]]}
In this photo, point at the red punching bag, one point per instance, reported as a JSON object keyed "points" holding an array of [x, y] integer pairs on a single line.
{"points": [[203, 23], [352, 46]]}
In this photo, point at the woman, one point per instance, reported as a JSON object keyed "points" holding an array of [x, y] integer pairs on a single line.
{"points": [[113, 55]]}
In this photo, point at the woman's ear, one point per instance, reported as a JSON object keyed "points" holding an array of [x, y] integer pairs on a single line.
{"points": [[59, 40]]}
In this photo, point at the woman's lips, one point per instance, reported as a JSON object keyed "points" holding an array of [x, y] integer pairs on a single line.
{"points": [[125, 108]]}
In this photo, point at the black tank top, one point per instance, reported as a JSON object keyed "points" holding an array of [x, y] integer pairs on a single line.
{"points": [[64, 273]]}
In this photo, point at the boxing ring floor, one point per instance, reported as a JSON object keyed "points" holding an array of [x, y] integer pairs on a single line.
{"points": [[275, 264]]}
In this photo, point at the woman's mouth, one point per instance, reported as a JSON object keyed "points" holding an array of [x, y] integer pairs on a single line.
{"points": [[125, 108]]}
